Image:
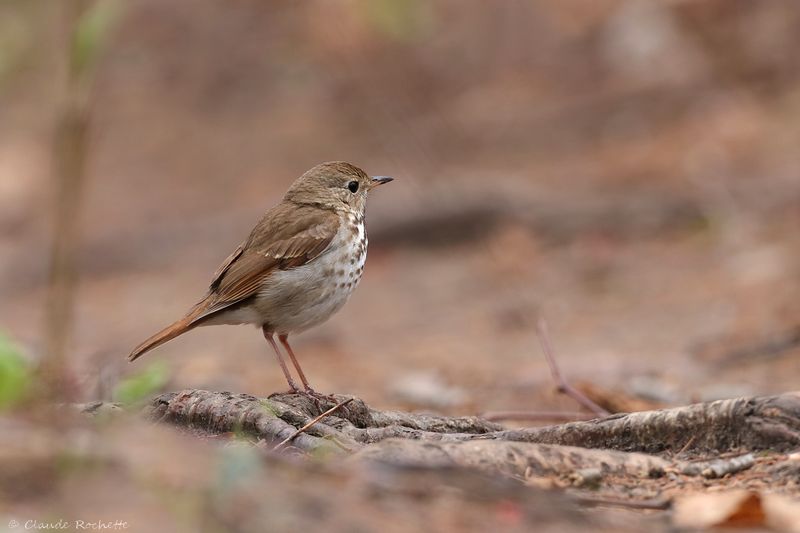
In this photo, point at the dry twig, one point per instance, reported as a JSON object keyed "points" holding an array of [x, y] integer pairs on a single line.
{"points": [[655, 504], [313, 422], [686, 446], [562, 385], [720, 467]]}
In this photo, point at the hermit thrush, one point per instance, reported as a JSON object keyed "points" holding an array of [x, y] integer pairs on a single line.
{"points": [[297, 267]]}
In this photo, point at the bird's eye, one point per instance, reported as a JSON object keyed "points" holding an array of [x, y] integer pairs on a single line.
{"points": [[353, 186]]}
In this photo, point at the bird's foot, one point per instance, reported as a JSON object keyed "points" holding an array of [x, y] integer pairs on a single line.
{"points": [[311, 392], [293, 389], [318, 397], [286, 393]]}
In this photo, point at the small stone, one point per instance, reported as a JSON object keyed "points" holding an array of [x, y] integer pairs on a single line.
{"points": [[589, 478]]}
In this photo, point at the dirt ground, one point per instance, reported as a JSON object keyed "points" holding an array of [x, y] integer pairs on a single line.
{"points": [[627, 171]]}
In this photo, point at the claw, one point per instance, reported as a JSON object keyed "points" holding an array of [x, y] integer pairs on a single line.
{"points": [[319, 398], [290, 391]]}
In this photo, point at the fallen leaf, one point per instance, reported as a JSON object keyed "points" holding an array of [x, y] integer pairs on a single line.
{"points": [[737, 509]]}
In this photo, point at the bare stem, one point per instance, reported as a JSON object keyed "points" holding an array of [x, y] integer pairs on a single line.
{"points": [[332, 410], [562, 385], [68, 170]]}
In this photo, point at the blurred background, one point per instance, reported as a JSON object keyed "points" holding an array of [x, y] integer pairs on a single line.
{"points": [[627, 170]]}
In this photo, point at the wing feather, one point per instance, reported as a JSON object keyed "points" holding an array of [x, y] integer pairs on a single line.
{"points": [[226, 265], [280, 241]]}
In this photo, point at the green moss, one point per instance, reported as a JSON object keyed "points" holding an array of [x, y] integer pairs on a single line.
{"points": [[91, 32], [270, 407], [403, 20], [16, 377], [139, 387]]}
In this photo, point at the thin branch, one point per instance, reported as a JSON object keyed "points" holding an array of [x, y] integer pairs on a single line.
{"points": [[655, 504], [562, 385], [686, 446], [68, 172], [720, 467], [291, 437]]}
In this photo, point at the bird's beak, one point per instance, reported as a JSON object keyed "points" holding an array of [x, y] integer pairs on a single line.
{"points": [[380, 180]]}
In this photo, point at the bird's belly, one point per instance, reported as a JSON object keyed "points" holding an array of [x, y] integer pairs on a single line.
{"points": [[296, 299]]}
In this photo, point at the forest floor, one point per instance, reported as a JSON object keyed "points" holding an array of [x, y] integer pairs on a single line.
{"points": [[650, 216]]}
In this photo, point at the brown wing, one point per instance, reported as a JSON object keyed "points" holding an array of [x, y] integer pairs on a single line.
{"points": [[226, 265], [287, 237]]}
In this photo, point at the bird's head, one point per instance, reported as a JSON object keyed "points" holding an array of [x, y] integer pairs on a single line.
{"points": [[335, 185]]}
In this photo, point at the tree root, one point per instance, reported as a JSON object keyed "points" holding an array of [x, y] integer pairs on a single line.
{"points": [[276, 418], [516, 459], [610, 445], [754, 423]]}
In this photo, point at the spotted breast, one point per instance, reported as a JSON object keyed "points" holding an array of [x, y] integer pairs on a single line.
{"points": [[303, 297]]}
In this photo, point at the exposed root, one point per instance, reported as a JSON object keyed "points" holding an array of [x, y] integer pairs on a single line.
{"points": [[613, 444]]}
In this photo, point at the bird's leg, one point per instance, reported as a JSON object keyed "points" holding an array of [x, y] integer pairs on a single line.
{"points": [[285, 341], [316, 396], [271, 341], [308, 390]]}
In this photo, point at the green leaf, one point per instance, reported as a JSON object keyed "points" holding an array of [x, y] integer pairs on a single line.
{"points": [[143, 385], [403, 20], [90, 34], [15, 374]]}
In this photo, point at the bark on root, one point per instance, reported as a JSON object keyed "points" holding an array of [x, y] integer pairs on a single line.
{"points": [[275, 418], [753, 423], [610, 444]]}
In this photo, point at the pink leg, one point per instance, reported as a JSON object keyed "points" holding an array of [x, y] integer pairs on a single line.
{"points": [[285, 341], [271, 341]]}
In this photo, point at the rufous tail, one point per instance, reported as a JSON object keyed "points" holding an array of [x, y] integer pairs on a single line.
{"points": [[180, 327]]}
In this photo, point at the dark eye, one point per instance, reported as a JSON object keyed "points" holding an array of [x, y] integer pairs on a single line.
{"points": [[353, 186]]}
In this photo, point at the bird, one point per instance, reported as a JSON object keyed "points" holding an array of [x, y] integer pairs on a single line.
{"points": [[298, 267]]}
